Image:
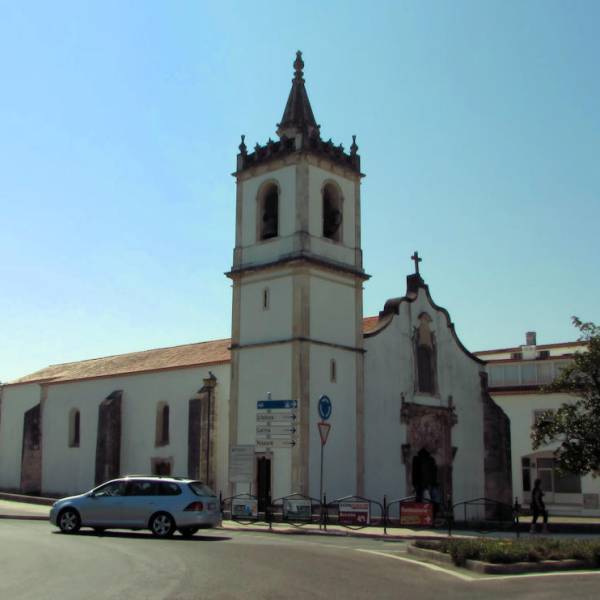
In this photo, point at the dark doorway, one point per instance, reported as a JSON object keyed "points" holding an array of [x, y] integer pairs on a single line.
{"points": [[424, 474], [263, 482], [31, 456]]}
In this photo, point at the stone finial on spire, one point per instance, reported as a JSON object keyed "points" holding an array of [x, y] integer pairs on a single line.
{"points": [[354, 147], [243, 148], [298, 116], [298, 66]]}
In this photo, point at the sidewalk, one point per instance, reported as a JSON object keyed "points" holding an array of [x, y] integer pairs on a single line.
{"points": [[15, 506], [21, 510]]}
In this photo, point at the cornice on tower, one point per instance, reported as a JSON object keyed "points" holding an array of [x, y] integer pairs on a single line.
{"points": [[298, 132]]}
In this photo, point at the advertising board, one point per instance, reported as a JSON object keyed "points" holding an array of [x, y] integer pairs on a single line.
{"points": [[416, 513], [354, 513], [297, 509], [244, 508]]}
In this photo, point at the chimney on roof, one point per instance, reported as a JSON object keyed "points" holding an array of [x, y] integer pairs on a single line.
{"points": [[530, 338]]}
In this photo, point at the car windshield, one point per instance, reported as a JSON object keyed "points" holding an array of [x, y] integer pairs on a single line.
{"points": [[113, 488], [201, 489]]}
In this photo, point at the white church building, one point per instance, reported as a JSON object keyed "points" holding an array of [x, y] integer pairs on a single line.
{"points": [[410, 405]]}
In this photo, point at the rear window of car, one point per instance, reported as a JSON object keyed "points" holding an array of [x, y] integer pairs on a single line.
{"points": [[201, 489]]}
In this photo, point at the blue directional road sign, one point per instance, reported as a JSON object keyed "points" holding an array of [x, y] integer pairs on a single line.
{"points": [[275, 404], [324, 407]]}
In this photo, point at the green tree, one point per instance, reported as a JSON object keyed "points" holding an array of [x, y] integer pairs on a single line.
{"points": [[576, 425]]}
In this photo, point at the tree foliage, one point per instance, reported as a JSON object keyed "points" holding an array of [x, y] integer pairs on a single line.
{"points": [[576, 425]]}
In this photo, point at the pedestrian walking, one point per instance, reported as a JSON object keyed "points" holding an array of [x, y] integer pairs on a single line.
{"points": [[538, 507]]}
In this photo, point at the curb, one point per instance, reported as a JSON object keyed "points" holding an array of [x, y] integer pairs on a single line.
{"points": [[27, 499], [25, 517], [342, 534], [486, 568]]}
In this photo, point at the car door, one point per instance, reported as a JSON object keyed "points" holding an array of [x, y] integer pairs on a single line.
{"points": [[140, 502], [104, 506]]}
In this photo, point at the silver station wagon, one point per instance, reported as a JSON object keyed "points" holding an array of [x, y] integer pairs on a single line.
{"points": [[161, 504]]}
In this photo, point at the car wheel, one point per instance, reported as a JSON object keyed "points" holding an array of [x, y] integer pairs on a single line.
{"points": [[162, 525], [187, 532], [69, 521]]}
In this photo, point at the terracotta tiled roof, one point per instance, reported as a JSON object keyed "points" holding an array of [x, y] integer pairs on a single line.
{"points": [[188, 355], [158, 359], [369, 324]]}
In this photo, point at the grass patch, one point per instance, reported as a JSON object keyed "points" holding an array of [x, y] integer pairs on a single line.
{"points": [[513, 551]]}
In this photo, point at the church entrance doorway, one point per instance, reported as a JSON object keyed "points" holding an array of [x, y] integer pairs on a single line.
{"points": [[428, 453], [425, 476], [263, 481]]}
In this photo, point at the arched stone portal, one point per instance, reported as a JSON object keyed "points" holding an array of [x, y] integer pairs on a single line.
{"points": [[428, 453]]}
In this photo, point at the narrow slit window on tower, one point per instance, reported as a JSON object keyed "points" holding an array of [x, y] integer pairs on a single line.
{"points": [[74, 424], [266, 299], [162, 424], [332, 370], [268, 213], [332, 212]]}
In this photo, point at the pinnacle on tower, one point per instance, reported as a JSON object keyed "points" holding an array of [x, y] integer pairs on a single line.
{"points": [[298, 115]]}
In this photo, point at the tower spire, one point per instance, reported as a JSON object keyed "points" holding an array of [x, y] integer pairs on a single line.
{"points": [[297, 116]]}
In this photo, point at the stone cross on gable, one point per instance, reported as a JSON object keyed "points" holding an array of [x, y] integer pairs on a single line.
{"points": [[417, 260]]}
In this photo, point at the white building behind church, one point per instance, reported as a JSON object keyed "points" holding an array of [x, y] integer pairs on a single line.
{"points": [[516, 379]]}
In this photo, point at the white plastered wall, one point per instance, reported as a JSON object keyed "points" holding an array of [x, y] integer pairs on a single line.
{"points": [[275, 323], [332, 308], [71, 470], [16, 401], [265, 370], [389, 372], [340, 450]]}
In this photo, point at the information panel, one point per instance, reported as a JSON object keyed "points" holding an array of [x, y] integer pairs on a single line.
{"points": [[297, 509], [241, 464]]}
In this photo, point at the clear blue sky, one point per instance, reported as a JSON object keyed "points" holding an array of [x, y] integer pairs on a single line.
{"points": [[478, 124]]}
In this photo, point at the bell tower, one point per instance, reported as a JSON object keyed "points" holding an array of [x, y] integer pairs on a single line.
{"points": [[297, 299]]}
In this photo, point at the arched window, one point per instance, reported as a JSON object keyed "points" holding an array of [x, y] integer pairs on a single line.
{"points": [[162, 424], [268, 212], [332, 212], [266, 299], [74, 424], [332, 370], [425, 356]]}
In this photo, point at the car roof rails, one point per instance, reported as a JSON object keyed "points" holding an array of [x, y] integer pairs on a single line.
{"points": [[177, 478]]}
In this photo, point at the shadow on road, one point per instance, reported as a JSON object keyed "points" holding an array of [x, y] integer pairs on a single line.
{"points": [[141, 535]]}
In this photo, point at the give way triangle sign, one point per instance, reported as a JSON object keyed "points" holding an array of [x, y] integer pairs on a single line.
{"points": [[323, 432]]}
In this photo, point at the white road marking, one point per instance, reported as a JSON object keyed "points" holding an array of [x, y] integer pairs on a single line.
{"points": [[482, 577], [430, 566]]}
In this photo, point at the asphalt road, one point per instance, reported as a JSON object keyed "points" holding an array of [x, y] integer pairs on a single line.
{"points": [[37, 562]]}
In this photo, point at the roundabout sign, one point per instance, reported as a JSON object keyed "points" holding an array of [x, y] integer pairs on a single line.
{"points": [[325, 407]]}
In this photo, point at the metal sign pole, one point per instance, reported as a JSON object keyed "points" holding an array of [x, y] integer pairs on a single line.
{"points": [[324, 412], [321, 480]]}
